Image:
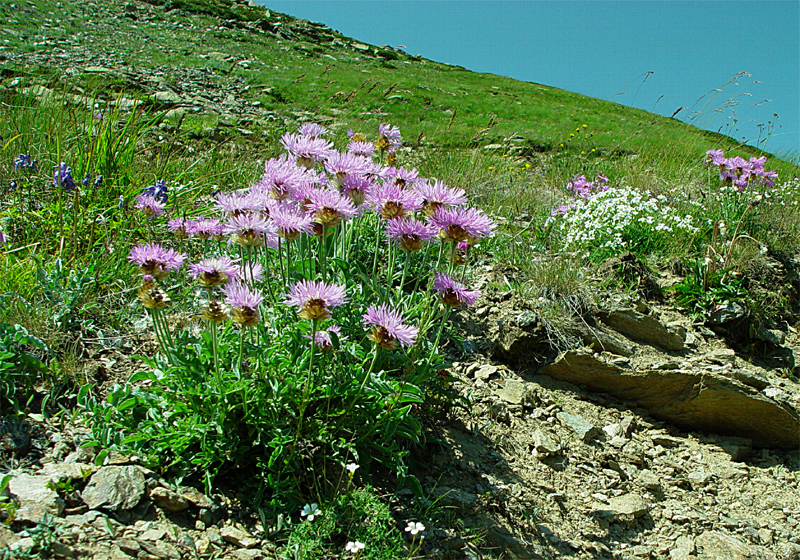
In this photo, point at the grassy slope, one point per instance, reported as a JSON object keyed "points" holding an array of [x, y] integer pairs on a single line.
{"points": [[329, 76]]}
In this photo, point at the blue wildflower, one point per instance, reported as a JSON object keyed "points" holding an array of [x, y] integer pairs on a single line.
{"points": [[98, 182], [157, 191], [63, 177], [24, 160]]}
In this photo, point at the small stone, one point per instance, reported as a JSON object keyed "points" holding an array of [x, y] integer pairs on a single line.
{"points": [[128, 546], [585, 429], [114, 488], [168, 500], [544, 445], [765, 536], [161, 549], [36, 497], [238, 537], [153, 535], [622, 508], [512, 392], [649, 480], [722, 356], [699, 478], [684, 546], [196, 497]]}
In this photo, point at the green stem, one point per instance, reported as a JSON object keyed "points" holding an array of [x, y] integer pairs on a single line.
{"points": [[439, 333]]}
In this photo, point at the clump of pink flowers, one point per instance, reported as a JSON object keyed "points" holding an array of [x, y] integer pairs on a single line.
{"points": [[740, 172]]}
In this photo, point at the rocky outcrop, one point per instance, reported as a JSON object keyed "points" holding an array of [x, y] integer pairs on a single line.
{"points": [[693, 399]]}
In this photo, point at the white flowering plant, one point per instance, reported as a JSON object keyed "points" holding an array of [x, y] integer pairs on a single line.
{"points": [[621, 219]]}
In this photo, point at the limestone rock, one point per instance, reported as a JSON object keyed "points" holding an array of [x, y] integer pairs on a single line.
{"points": [[639, 326], [238, 537], [35, 496], [168, 499], [585, 429], [626, 507], [114, 488], [692, 400], [716, 545]]}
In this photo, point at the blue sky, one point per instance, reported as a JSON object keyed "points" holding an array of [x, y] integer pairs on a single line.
{"points": [[657, 55]]}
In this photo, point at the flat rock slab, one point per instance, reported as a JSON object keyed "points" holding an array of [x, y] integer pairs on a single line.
{"points": [[715, 545], [35, 496], [580, 425], [622, 508], [641, 327], [692, 400], [114, 488]]}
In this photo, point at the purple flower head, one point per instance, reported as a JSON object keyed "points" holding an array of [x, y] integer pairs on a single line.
{"points": [[155, 260], [715, 157], [330, 207], [3, 238], [312, 129], [356, 188], [87, 180], [389, 138], [24, 161], [281, 175], [178, 227], [307, 149], [342, 165], [435, 195], [243, 303], [462, 224], [204, 228], [157, 191], [62, 177], [409, 233], [391, 201], [149, 206], [400, 176], [322, 338], [290, 222], [583, 188], [215, 271], [238, 203], [388, 328], [361, 148], [314, 300], [454, 293], [251, 230], [250, 272]]}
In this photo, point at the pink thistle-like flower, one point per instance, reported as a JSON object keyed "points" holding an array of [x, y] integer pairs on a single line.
{"points": [[400, 176], [312, 129], [178, 226], [391, 201], [436, 195], [205, 228], [251, 272], [290, 222], [715, 157], [237, 203], [307, 149], [251, 230], [388, 328], [314, 300], [454, 293], [389, 138], [356, 188], [149, 206], [462, 224], [330, 207], [280, 176], [361, 148], [215, 271], [243, 303], [155, 260], [342, 165], [409, 233], [322, 338]]}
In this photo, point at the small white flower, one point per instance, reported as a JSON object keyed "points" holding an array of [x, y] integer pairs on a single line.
{"points": [[414, 528], [310, 511], [354, 547], [351, 467]]}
